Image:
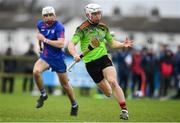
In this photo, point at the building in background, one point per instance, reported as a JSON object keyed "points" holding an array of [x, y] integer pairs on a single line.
{"points": [[149, 23]]}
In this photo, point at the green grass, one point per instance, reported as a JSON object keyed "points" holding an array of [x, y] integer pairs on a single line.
{"points": [[20, 107]]}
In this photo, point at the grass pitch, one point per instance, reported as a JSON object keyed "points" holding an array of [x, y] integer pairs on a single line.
{"points": [[19, 107]]}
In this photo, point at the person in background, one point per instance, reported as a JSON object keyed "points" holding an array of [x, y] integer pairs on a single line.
{"points": [[28, 68], [124, 59], [166, 70], [149, 65], [9, 68], [177, 73], [138, 75]]}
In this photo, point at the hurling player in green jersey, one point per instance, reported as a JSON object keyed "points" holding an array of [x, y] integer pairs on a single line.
{"points": [[98, 64]]}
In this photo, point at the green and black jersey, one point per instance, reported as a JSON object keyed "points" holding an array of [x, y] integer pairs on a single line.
{"points": [[85, 33]]}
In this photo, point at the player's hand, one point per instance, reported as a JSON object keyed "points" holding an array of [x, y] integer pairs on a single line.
{"points": [[127, 43], [39, 50], [77, 58], [40, 37]]}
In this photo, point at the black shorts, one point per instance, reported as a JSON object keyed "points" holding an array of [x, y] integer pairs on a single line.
{"points": [[95, 68]]}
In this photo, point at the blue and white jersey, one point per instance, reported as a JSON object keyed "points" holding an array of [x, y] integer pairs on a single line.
{"points": [[53, 33]]}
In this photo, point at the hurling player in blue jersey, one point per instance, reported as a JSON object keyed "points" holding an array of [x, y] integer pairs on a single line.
{"points": [[51, 35]]}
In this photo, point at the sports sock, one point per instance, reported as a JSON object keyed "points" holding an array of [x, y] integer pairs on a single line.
{"points": [[123, 105], [43, 92]]}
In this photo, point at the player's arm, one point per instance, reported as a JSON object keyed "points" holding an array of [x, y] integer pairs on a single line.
{"points": [[55, 43], [39, 43], [72, 48], [73, 52], [116, 44], [72, 45], [59, 43]]}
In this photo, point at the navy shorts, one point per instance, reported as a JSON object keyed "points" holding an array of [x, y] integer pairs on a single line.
{"points": [[57, 65]]}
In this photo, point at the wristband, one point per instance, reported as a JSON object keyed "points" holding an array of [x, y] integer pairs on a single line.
{"points": [[81, 56], [90, 47], [46, 41]]}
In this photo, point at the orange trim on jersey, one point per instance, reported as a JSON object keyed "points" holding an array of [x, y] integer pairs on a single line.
{"points": [[84, 25]]}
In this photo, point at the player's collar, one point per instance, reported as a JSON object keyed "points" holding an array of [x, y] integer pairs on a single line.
{"points": [[93, 24], [50, 23]]}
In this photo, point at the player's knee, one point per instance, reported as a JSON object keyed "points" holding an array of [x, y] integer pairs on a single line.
{"points": [[113, 83], [65, 86], [36, 72], [108, 93]]}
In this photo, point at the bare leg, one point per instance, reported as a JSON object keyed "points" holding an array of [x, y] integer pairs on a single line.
{"points": [[69, 90], [39, 67], [66, 86], [110, 76], [105, 87]]}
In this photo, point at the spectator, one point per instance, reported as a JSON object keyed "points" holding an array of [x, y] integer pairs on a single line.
{"points": [[28, 68], [9, 68], [124, 62], [166, 69], [177, 68], [149, 66], [138, 76]]}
